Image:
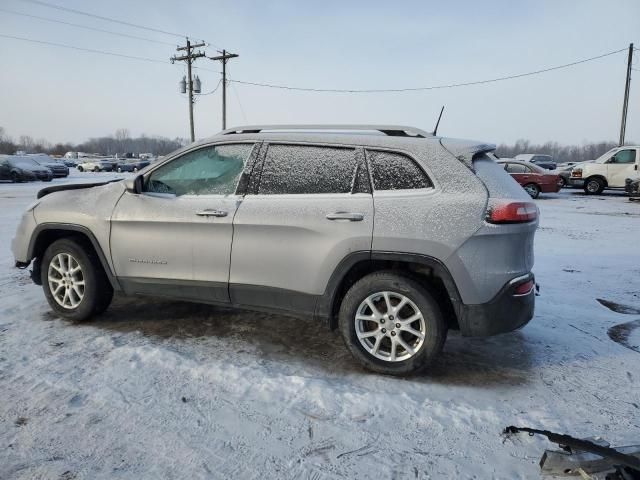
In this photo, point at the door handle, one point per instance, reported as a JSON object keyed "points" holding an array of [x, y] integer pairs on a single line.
{"points": [[211, 213], [352, 217]]}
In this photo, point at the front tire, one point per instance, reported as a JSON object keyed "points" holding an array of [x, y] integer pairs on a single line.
{"points": [[593, 186], [74, 281], [15, 178], [79, 169], [391, 324], [562, 182]]}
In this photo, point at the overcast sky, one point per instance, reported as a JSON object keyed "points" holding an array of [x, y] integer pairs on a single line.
{"points": [[66, 95]]}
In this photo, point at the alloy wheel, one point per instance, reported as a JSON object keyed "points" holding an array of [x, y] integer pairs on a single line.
{"points": [[66, 280], [390, 326]]}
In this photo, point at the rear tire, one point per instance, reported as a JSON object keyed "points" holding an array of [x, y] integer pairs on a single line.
{"points": [[74, 281], [532, 189], [371, 341], [15, 178], [593, 186], [79, 169], [562, 182]]}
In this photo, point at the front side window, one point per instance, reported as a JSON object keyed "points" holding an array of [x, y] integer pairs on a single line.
{"points": [[395, 171], [624, 156], [307, 169], [213, 170]]}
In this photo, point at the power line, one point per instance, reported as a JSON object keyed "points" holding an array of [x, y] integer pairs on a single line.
{"points": [[100, 17], [285, 87], [435, 87], [214, 90], [102, 52], [87, 27], [235, 91]]}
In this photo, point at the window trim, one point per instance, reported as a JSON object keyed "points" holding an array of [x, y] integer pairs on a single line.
{"points": [[263, 157], [180, 153], [434, 185]]}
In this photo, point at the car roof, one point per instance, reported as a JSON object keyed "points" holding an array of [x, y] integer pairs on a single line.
{"points": [[384, 136], [535, 167]]}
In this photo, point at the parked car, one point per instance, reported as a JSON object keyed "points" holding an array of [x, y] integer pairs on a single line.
{"points": [[131, 165], [392, 237], [22, 169], [59, 169], [609, 171], [534, 179], [96, 165], [545, 161]]}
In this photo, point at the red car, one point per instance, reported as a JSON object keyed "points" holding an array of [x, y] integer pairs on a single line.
{"points": [[532, 178]]}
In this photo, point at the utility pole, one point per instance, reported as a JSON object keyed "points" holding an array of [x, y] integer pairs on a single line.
{"points": [[223, 58], [189, 57], [625, 103]]}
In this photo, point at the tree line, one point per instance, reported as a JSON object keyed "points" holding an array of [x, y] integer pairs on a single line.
{"points": [[561, 153], [120, 142]]}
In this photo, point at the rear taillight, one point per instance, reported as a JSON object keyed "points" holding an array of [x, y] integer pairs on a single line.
{"points": [[524, 288], [576, 173], [501, 211]]}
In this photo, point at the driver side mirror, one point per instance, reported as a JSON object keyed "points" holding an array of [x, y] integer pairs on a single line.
{"points": [[134, 185]]}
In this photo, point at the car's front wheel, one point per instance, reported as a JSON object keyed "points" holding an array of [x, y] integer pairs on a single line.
{"points": [[562, 182], [391, 324], [15, 178], [74, 281], [79, 168], [593, 186]]}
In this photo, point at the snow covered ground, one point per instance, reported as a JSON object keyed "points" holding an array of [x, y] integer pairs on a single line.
{"points": [[158, 389]]}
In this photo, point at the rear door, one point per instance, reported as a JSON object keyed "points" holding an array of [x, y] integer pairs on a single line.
{"points": [[621, 165], [519, 172], [309, 207], [174, 238]]}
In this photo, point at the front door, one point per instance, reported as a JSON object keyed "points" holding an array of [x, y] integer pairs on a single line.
{"points": [[313, 207], [621, 166], [174, 238], [5, 170]]}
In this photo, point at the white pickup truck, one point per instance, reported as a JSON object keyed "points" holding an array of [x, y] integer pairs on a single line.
{"points": [[607, 171]]}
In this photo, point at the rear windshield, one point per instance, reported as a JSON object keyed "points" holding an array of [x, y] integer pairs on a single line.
{"points": [[498, 182]]}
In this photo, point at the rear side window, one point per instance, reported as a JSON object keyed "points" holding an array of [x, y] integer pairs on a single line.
{"points": [[516, 168], [306, 169], [395, 171]]}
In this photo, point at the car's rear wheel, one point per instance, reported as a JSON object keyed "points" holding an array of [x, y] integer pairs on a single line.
{"points": [[79, 168], [15, 178], [562, 182], [74, 281], [391, 324], [532, 189], [593, 186]]}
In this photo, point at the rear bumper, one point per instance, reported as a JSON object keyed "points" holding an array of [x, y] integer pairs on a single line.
{"points": [[504, 313]]}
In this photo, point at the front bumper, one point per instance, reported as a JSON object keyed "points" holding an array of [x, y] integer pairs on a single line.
{"points": [[20, 243], [576, 182], [506, 312]]}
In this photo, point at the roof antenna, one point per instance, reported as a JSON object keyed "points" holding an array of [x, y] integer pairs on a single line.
{"points": [[435, 130]]}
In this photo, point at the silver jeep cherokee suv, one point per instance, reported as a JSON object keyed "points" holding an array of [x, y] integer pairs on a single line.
{"points": [[388, 233]]}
